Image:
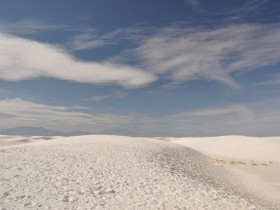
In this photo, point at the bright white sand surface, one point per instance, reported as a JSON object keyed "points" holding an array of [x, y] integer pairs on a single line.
{"points": [[16, 140], [255, 160], [114, 172], [235, 147]]}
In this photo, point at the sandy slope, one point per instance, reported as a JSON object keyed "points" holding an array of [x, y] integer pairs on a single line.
{"points": [[235, 147], [111, 172], [16, 140], [255, 160]]}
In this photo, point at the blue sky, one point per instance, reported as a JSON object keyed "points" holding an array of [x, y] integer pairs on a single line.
{"points": [[145, 68]]}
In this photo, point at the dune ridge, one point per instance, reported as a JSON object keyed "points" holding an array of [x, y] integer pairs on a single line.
{"points": [[115, 172]]}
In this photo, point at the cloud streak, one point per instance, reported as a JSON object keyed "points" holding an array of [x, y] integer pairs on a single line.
{"points": [[103, 97], [182, 54], [193, 3], [238, 119], [22, 59], [250, 119], [28, 27], [87, 41], [21, 112]]}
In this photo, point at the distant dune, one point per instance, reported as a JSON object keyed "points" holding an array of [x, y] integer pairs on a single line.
{"points": [[235, 147], [255, 160], [116, 172]]}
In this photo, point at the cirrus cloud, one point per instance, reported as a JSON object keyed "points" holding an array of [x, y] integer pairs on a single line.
{"points": [[20, 112], [29, 26], [182, 53], [261, 118], [193, 3], [22, 59]]}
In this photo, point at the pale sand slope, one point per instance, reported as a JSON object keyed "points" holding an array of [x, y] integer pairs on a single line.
{"points": [[16, 140], [255, 160], [113, 172]]}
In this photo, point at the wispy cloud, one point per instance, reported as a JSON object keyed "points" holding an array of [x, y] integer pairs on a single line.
{"points": [[18, 112], [182, 54], [28, 26], [22, 59], [273, 83], [250, 119], [252, 8], [253, 5], [21, 112], [87, 41], [238, 119], [112, 95], [210, 114], [244, 11], [214, 112], [193, 3]]}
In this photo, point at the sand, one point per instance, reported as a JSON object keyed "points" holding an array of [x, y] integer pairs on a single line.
{"points": [[115, 172], [255, 160], [235, 147], [16, 140]]}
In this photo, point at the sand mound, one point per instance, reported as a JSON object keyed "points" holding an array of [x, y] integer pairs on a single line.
{"points": [[112, 172]]}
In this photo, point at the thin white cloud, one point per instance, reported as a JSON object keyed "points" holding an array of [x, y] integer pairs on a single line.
{"points": [[193, 3], [103, 97], [251, 119], [183, 54], [234, 119], [28, 26], [273, 81], [21, 112], [231, 109], [211, 114], [87, 41], [251, 8], [22, 59], [241, 11], [79, 107]]}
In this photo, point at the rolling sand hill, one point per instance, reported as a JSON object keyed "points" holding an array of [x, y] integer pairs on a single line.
{"points": [[115, 172]]}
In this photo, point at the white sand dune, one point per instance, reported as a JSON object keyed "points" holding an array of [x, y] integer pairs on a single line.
{"points": [[235, 147], [255, 160], [114, 172], [16, 140]]}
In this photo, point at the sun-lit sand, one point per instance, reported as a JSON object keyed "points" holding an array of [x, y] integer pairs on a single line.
{"points": [[117, 172], [235, 147], [16, 140], [255, 160]]}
